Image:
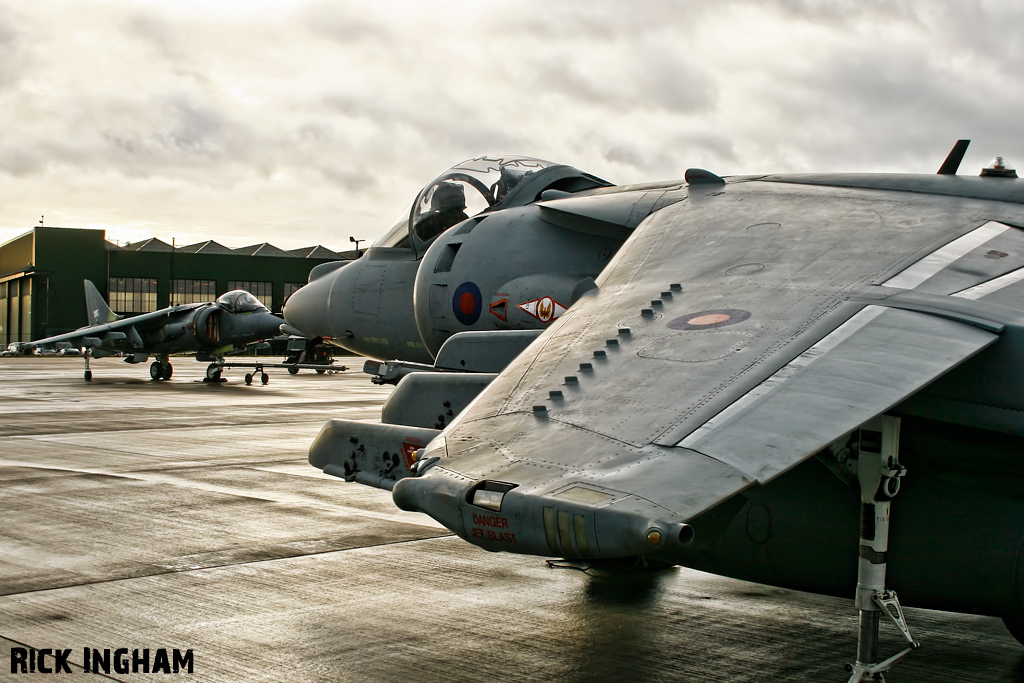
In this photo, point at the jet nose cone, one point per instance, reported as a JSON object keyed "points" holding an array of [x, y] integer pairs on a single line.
{"points": [[270, 326], [308, 308]]}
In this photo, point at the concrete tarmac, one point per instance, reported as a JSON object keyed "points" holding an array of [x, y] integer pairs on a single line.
{"points": [[183, 514]]}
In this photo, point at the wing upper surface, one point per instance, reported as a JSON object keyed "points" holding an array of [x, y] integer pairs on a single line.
{"points": [[763, 277], [759, 358], [863, 368]]}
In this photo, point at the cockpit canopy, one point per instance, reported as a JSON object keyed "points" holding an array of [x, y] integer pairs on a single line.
{"points": [[468, 189], [240, 301], [464, 190], [490, 182]]}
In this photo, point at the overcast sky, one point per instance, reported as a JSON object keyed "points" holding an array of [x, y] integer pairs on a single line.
{"points": [[303, 123]]}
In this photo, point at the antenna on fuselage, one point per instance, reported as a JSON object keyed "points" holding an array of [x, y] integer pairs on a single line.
{"points": [[956, 155]]}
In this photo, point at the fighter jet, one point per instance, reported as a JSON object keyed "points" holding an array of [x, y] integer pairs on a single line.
{"points": [[475, 253], [811, 381], [210, 329]]}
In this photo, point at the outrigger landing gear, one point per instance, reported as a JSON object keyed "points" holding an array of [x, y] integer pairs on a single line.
{"points": [[88, 372], [879, 473]]}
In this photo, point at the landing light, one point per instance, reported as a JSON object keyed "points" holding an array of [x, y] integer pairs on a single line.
{"points": [[489, 494], [489, 500]]}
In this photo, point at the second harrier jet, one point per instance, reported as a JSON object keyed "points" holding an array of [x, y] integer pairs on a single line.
{"points": [[210, 330]]}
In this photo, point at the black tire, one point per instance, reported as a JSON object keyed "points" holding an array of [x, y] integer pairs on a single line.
{"points": [[156, 371], [264, 378], [321, 371], [293, 371], [88, 375], [213, 371], [168, 371], [248, 378]]}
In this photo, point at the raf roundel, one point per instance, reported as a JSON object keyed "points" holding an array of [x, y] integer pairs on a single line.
{"points": [[708, 320], [467, 303]]}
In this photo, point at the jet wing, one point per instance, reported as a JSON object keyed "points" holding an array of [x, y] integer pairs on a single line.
{"points": [[733, 336], [863, 368], [119, 334]]}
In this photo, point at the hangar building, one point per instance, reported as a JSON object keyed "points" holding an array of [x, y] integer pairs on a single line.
{"points": [[41, 274]]}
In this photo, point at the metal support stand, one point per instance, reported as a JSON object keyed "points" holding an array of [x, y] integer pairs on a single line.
{"points": [[87, 355], [879, 474]]}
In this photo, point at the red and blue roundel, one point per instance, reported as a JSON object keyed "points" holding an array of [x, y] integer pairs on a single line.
{"points": [[708, 320], [467, 303]]}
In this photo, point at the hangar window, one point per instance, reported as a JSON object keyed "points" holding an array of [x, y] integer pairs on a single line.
{"points": [[192, 291], [289, 289], [26, 309], [132, 294], [264, 291], [4, 340]]}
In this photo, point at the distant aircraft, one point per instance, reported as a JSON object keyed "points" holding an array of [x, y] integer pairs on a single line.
{"points": [[811, 381], [210, 329]]}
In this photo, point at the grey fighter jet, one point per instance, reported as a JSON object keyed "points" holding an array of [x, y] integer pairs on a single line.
{"points": [[810, 381], [476, 252], [210, 329]]}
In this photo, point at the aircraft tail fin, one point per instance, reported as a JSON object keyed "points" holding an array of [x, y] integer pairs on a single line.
{"points": [[97, 310]]}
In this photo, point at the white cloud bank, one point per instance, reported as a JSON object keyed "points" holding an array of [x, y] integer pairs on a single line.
{"points": [[306, 122]]}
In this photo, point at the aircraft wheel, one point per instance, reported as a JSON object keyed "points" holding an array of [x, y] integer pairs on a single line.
{"points": [[168, 371], [156, 371], [88, 375], [321, 371], [264, 378], [293, 371], [248, 378], [212, 371]]}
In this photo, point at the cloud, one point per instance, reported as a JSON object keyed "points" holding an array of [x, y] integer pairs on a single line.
{"points": [[300, 122], [345, 23], [14, 53]]}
